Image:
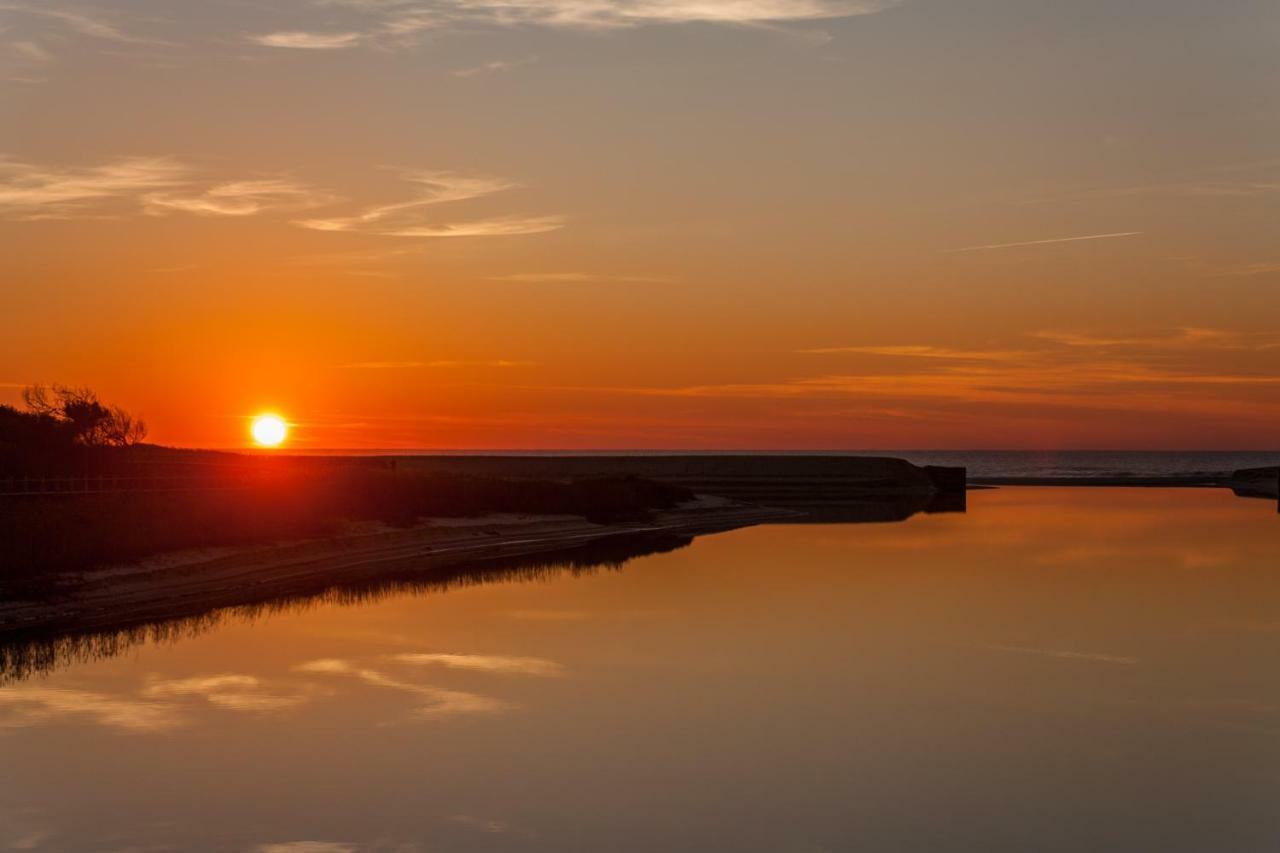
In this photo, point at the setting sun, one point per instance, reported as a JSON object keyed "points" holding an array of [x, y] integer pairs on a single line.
{"points": [[269, 430]]}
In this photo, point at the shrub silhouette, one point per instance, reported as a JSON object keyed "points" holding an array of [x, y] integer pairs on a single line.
{"points": [[91, 423]]}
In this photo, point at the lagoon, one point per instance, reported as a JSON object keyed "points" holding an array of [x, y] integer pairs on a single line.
{"points": [[1056, 669]]}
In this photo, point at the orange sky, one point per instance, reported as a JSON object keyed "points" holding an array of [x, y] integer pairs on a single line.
{"points": [[629, 224]]}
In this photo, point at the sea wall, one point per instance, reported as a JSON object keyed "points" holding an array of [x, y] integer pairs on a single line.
{"points": [[777, 480], [1260, 482]]}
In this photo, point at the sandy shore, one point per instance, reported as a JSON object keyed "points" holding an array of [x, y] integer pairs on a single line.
{"points": [[176, 585]]}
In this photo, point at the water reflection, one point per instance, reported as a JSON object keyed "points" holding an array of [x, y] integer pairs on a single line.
{"points": [[23, 654], [1059, 670]]}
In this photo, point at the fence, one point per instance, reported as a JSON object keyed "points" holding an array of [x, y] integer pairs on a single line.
{"points": [[97, 484]]}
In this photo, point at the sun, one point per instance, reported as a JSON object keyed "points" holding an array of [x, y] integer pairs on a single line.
{"points": [[269, 430]]}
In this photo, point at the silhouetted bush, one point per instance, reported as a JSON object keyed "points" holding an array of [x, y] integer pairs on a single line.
{"points": [[64, 430], [92, 423]]}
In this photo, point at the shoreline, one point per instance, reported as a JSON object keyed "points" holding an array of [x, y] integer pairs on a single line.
{"points": [[177, 585]]}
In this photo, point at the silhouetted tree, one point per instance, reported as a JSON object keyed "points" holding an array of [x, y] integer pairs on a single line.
{"points": [[91, 423]]}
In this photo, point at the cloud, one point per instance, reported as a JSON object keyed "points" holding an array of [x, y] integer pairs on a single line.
{"points": [[28, 191], [31, 51], [919, 351], [300, 40], [505, 226], [404, 365], [238, 198], [480, 824], [435, 188], [1262, 268], [594, 14], [1065, 655], [1187, 337], [35, 705], [30, 840], [159, 185], [499, 664], [1195, 371], [162, 185], [408, 218], [399, 23], [306, 847], [1047, 242], [496, 66], [579, 278], [78, 21]]}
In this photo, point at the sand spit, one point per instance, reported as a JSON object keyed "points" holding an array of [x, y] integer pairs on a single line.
{"points": [[175, 585]]}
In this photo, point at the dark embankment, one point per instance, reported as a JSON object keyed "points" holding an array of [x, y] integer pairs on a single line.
{"points": [[191, 583], [790, 481], [43, 535]]}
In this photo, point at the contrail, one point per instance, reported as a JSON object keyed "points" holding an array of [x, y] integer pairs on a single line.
{"points": [[1043, 242]]}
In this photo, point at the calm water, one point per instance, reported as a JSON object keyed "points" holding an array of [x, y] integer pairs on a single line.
{"points": [[1055, 670]]}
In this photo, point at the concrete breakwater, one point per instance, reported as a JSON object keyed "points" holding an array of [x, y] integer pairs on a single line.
{"points": [[774, 480], [1259, 482]]}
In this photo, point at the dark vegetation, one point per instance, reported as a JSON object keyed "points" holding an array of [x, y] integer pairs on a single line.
{"points": [[40, 535], [62, 430]]}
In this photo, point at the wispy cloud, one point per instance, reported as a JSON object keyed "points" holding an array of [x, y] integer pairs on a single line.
{"points": [[301, 40], [480, 824], [497, 664], [156, 185], [579, 278], [76, 20], [919, 351], [28, 191], [1062, 654], [306, 847], [1187, 337], [1247, 180], [1048, 242], [160, 185], [31, 51], [239, 198], [503, 226], [1192, 371], [1260, 268], [400, 22], [496, 66], [410, 218], [407, 365]]}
